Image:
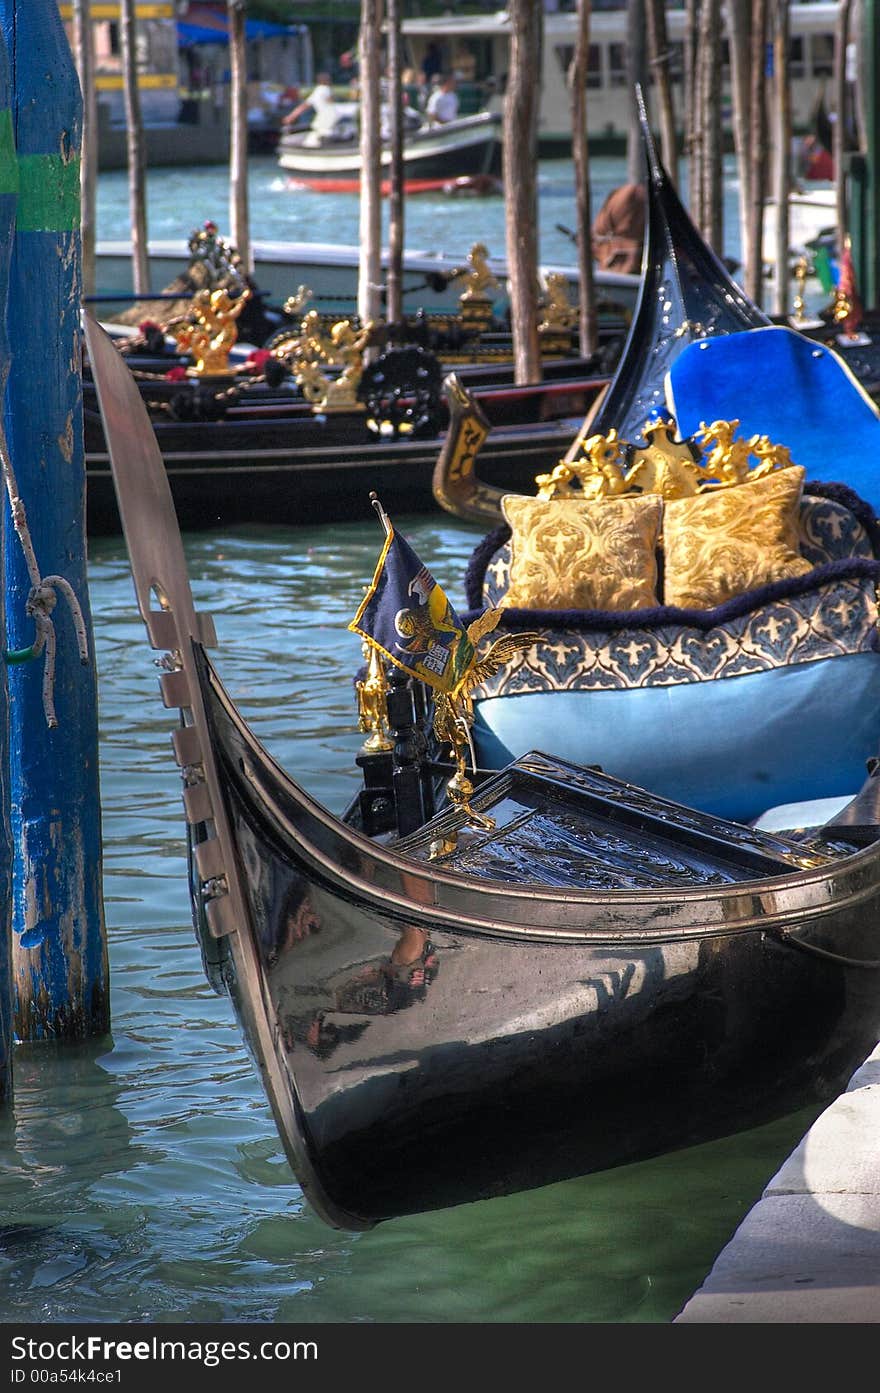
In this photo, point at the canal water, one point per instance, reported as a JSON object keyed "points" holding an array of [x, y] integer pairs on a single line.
{"points": [[141, 1177], [179, 200]]}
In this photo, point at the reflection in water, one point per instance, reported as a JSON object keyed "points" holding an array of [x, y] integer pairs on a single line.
{"points": [[141, 1177]]}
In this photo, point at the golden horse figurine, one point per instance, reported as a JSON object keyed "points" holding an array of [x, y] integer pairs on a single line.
{"points": [[727, 462], [598, 473], [479, 279], [313, 351], [770, 456], [559, 315]]}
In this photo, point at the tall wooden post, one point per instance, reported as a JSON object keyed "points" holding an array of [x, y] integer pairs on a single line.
{"points": [[60, 965], [370, 260], [239, 204], [396, 192], [865, 212], [709, 70], [754, 269], [839, 136], [134, 136], [580, 149], [8, 199], [636, 76], [739, 30], [781, 28], [521, 186], [84, 54], [863, 194], [692, 116], [660, 54]]}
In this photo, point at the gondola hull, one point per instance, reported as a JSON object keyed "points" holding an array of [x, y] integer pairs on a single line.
{"points": [[238, 454], [472, 1009], [547, 1035], [224, 475]]}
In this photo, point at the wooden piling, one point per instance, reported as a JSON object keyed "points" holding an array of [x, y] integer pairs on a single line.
{"points": [[521, 187], [865, 193], [8, 199], [60, 966]]}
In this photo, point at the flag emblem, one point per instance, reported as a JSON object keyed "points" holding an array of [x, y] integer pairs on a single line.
{"points": [[406, 615]]}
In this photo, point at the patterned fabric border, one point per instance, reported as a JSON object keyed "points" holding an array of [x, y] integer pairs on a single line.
{"points": [[827, 620]]}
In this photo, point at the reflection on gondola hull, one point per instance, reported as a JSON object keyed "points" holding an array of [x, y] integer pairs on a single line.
{"points": [[517, 1053]]}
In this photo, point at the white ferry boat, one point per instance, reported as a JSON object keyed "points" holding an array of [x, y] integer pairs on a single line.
{"points": [[475, 47]]}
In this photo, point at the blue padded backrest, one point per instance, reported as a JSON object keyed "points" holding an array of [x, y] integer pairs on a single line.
{"points": [[779, 384]]}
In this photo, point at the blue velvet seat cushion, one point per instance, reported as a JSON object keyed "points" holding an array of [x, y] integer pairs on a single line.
{"points": [[778, 383], [733, 747]]}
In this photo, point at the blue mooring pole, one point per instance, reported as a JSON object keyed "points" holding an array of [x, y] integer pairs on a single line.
{"points": [[8, 196], [59, 959]]}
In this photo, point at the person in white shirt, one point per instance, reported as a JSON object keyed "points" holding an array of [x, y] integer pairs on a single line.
{"points": [[443, 101], [322, 103]]}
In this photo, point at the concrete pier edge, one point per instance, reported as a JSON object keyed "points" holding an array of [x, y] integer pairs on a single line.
{"points": [[809, 1251]]}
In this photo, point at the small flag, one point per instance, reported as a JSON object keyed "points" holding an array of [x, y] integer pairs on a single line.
{"points": [[406, 615]]}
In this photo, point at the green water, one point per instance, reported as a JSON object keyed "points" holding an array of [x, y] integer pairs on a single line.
{"points": [[141, 1178]]}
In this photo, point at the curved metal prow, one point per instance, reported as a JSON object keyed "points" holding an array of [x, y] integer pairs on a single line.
{"points": [[655, 168], [158, 564], [686, 293]]}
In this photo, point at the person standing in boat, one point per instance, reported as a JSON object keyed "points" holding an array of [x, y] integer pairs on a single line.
{"points": [[443, 101], [322, 103]]}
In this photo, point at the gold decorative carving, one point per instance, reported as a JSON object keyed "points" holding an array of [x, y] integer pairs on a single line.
{"points": [[314, 352], [605, 466], [296, 303], [479, 279], [664, 465], [559, 315], [454, 717], [801, 270], [598, 472], [372, 695], [211, 331]]}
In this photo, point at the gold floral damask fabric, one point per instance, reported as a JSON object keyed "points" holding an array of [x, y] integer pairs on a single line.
{"points": [[722, 543], [571, 554], [827, 531]]}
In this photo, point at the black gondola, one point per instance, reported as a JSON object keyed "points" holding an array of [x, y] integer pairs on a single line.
{"points": [[469, 1009], [234, 455]]}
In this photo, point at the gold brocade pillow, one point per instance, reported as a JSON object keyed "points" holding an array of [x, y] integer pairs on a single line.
{"points": [[568, 553], [726, 541]]}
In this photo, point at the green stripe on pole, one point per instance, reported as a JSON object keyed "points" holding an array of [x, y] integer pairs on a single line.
{"points": [[8, 162], [48, 194]]}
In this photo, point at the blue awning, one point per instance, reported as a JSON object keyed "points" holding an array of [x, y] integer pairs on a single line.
{"points": [[191, 34]]}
